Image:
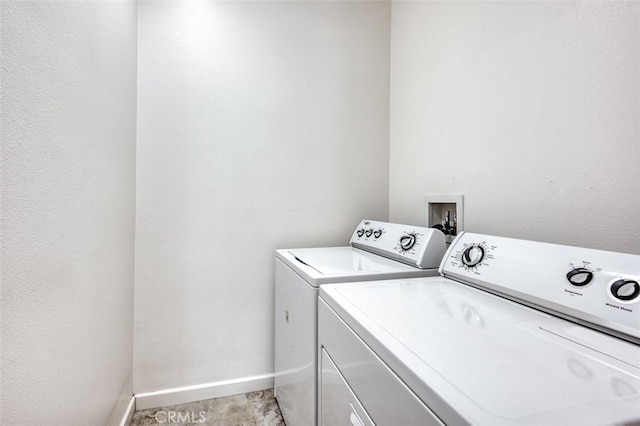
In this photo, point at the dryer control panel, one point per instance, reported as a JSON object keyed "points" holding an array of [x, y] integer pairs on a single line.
{"points": [[414, 245], [594, 287]]}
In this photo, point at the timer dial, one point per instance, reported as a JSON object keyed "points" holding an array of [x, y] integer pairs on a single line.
{"points": [[579, 277], [473, 255], [407, 241], [625, 289]]}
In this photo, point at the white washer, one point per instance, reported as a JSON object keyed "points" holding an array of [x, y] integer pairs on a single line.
{"points": [[378, 251], [514, 333]]}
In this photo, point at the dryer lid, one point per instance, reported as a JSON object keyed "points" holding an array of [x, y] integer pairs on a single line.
{"points": [[490, 360], [345, 261]]}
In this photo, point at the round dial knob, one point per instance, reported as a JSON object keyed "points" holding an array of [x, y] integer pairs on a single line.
{"points": [[368, 232], [407, 241], [377, 233], [579, 277], [473, 255], [360, 232], [624, 289]]}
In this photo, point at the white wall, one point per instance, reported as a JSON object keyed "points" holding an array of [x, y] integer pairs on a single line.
{"points": [[68, 200], [262, 125], [265, 125], [529, 109]]}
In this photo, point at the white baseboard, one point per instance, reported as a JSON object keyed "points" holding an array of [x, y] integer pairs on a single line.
{"points": [[128, 415], [123, 408], [201, 392]]}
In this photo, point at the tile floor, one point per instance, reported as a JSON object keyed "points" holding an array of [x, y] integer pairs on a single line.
{"points": [[249, 409]]}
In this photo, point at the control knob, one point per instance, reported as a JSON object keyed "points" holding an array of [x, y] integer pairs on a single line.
{"points": [[377, 233], [579, 277], [407, 241], [368, 232], [625, 289], [360, 232], [473, 255]]}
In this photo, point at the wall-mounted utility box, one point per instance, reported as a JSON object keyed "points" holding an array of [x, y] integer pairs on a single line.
{"points": [[445, 212]]}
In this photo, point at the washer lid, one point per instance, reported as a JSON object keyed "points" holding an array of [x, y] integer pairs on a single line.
{"points": [[346, 260], [467, 353]]}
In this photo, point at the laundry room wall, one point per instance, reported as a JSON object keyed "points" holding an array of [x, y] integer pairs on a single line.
{"points": [[67, 167], [262, 125], [531, 110]]}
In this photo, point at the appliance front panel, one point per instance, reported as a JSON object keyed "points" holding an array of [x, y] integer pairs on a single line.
{"points": [[295, 346], [414, 245], [598, 288]]}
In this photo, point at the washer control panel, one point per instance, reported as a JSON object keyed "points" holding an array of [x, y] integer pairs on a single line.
{"points": [[414, 245], [624, 290], [593, 286], [473, 255], [579, 277]]}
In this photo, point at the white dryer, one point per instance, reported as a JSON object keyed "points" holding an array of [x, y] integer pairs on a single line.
{"points": [[378, 251], [514, 333]]}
